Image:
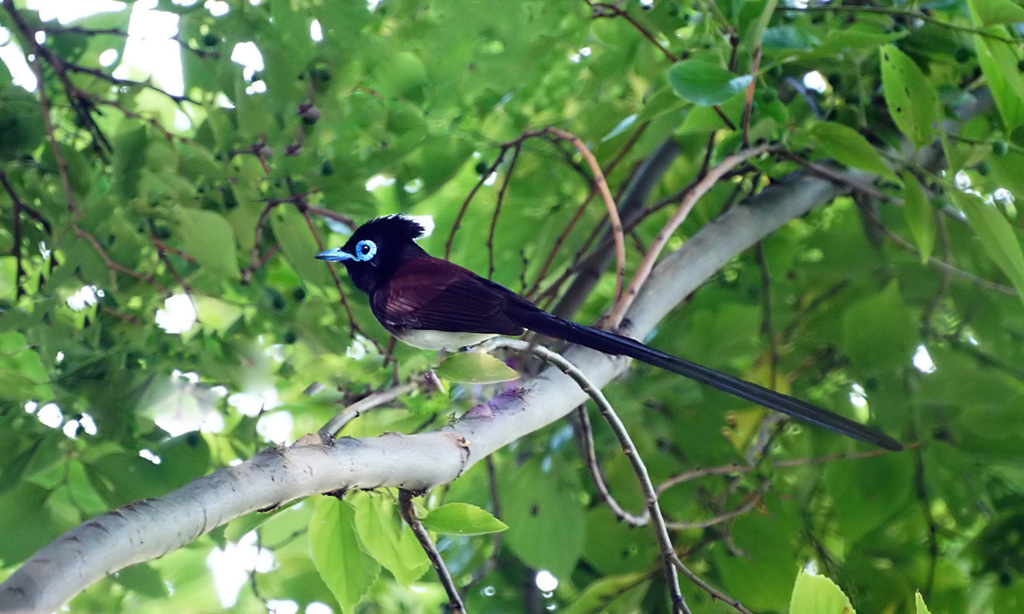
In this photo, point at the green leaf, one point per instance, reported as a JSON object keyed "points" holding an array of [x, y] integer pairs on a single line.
{"points": [[130, 146], [918, 213], [184, 458], [998, 62], [866, 503], [879, 331], [847, 146], [299, 246], [462, 519], [24, 507], [144, 579], [858, 35], [754, 31], [209, 238], [763, 578], [214, 313], [814, 594], [441, 159], [600, 594], [788, 37], [919, 605], [475, 368], [996, 235], [910, 97], [997, 11], [338, 558], [387, 539], [21, 122], [545, 518], [704, 83]]}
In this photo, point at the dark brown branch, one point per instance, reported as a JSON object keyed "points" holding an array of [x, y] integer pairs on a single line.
{"points": [[497, 209], [115, 266], [19, 270], [408, 511], [601, 10], [586, 438]]}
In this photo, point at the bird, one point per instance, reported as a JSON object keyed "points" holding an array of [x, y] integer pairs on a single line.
{"points": [[435, 304]]}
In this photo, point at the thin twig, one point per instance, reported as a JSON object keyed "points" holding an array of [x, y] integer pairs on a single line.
{"points": [[828, 458], [113, 265], [578, 215], [334, 425], [497, 209], [609, 202], [629, 449], [332, 215], [353, 325], [838, 178], [911, 14], [701, 473], [496, 537], [748, 104], [62, 165], [586, 436], [493, 168], [408, 511], [939, 264], [560, 240], [161, 252], [744, 508], [254, 254], [661, 239], [714, 592], [19, 269], [600, 10]]}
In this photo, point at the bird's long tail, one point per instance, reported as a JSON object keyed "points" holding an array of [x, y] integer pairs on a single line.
{"points": [[544, 323]]}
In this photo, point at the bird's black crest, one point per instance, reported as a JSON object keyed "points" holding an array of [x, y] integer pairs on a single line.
{"points": [[393, 226]]}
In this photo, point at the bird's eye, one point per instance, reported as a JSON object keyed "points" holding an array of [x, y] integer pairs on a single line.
{"points": [[365, 250]]}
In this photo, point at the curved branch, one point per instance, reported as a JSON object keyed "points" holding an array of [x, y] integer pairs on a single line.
{"points": [[151, 528]]}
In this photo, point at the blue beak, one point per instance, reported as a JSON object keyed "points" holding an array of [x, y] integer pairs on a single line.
{"points": [[334, 255]]}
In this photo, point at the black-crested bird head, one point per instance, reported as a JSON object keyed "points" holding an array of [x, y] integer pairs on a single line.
{"points": [[376, 249]]}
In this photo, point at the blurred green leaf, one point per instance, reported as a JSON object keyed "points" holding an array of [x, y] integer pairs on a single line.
{"points": [[21, 123], [868, 502], [999, 63], [131, 144], [848, 147], [144, 579], [997, 237], [214, 313], [920, 216], [704, 83], [813, 594], [610, 592], [997, 11], [919, 605], [209, 238], [879, 332], [545, 520], [912, 101]]}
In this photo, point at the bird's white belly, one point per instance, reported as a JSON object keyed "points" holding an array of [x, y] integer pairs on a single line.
{"points": [[442, 340]]}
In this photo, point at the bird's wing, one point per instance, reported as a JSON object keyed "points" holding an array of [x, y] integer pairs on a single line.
{"points": [[434, 294]]}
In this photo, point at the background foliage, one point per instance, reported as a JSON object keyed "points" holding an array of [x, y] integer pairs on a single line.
{"points": [[224, 192]]}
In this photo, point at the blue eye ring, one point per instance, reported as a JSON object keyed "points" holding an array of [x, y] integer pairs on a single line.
{"points": [[365, 250]]}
